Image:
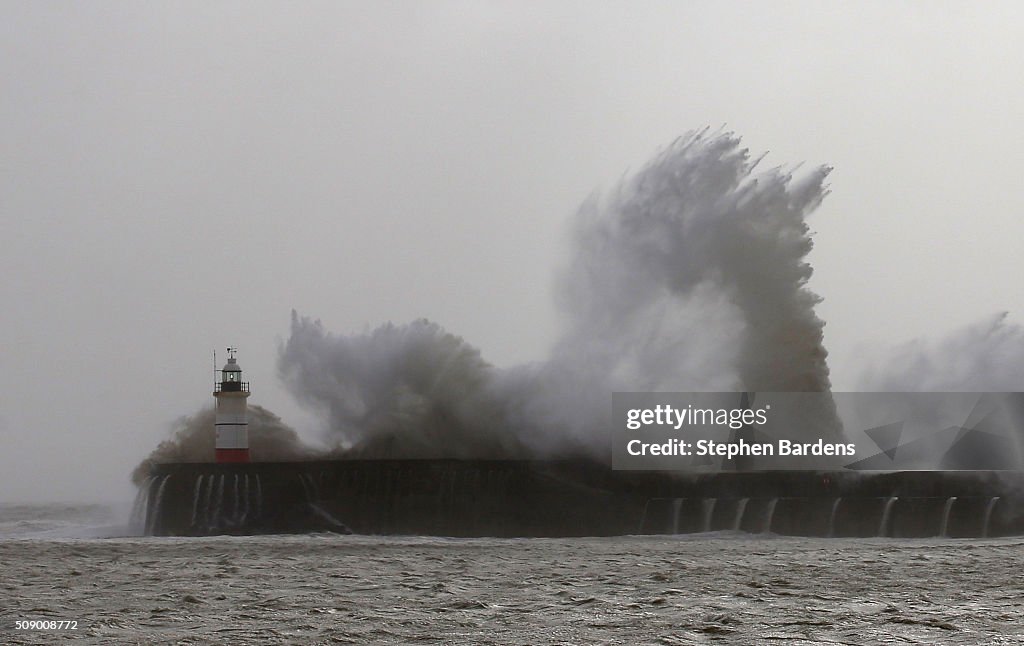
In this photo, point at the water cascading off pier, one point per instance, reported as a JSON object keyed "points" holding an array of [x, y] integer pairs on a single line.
{"points": [[563, 498]]}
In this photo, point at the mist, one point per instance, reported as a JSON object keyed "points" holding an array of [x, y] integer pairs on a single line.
{"points": [[192, 439], [180, 177], [691, 275], [987, 356]]}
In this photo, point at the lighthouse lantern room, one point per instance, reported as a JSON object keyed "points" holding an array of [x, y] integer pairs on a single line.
{"points": [[231, 425]]}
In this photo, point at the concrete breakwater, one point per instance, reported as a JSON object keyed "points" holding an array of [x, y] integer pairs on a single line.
{"points": [[569, 498]]}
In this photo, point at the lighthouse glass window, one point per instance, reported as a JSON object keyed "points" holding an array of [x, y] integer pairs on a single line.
{"points": [[230, 376]]}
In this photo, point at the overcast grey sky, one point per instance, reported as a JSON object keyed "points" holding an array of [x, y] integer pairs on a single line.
{"points": [[176, 177]]}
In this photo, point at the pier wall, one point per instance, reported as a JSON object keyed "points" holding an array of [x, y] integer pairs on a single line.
{"points": [[571, 498]]}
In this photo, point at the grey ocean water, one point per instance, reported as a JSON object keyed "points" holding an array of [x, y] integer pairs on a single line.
{"points": [[67, 562]]}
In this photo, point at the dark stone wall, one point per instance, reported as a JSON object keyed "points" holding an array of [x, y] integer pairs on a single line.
{"points": [[571, 498]]}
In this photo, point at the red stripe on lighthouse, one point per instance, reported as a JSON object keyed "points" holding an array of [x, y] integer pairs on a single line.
{"points": [[232, 455]]}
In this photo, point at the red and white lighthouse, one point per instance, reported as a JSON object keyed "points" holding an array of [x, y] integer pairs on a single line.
{"points": [[231, 425]]}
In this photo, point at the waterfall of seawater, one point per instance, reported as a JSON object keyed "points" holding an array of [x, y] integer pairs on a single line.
{"points": [[741, 507], [944, 528], [218, 501], [138, 518], [208, 500], [195, 498], [769, 516], [153, 517], [832, 517], [677, 504], [708, 505], [883, 527], [219, 504], [988, 516]]}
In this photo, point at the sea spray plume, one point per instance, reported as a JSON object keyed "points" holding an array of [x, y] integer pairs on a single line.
{"points": [[984, 357], [409, 390], [692, 276], [192, 440], [987, 356], [696, 239]]}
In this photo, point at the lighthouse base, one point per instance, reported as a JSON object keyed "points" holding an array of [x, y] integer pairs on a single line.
{"points": [[232, 455]]}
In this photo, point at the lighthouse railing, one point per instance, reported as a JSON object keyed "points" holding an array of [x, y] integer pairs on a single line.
{"points": [[231, 386]]}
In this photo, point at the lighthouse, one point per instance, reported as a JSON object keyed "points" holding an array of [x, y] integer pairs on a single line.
{"points": [[231, 425]]}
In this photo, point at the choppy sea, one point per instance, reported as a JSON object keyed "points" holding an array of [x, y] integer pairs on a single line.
{"points": [[81, 563]]}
